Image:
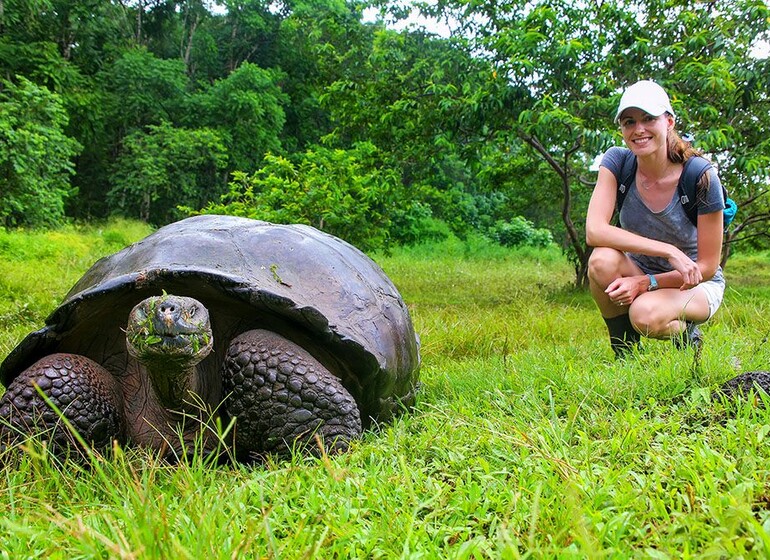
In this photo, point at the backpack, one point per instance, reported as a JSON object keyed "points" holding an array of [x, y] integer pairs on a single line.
{"points": [[693, 169]]}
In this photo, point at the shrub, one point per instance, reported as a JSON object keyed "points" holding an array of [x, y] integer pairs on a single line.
{"points": [[346, 193], [520, 231]]}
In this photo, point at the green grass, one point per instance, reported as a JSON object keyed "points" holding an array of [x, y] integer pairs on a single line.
{"points": [[527, 441]]}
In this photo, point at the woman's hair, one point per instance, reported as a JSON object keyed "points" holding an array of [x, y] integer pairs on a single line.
{"points": [[679, 151]]}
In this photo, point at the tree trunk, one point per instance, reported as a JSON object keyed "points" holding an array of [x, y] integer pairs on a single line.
{"points": [[139, 13], [187, 49], [726, 248], [582, 252], [144, 208]]}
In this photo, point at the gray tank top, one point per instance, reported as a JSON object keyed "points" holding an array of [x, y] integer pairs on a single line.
{"points": [[670, 225]]}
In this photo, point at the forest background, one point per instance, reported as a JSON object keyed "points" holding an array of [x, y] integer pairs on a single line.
{"points": [[308, 111]]}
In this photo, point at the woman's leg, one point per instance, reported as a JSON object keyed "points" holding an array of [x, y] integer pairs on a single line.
{"points": [[666, 312], [605, 265]]}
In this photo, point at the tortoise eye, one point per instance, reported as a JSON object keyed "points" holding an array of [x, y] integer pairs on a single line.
{"points": [[193, 309]]}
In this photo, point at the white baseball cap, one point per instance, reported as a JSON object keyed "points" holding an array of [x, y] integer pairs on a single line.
{"points": [[647, 96]]}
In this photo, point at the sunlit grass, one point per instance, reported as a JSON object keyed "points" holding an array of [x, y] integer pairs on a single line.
{"points": [[527, 440], [38, 268]]}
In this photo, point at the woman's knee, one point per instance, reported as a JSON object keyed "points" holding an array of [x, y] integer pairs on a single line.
{"points": [[604, 264], [650, 318], [642, 321]]}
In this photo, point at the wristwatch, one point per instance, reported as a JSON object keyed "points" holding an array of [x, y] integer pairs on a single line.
{"points": [[653, 283]]}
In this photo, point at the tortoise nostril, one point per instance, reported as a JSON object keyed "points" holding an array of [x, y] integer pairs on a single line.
{"points": [[167, 313]]}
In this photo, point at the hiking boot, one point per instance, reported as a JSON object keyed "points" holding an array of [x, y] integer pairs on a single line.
{"points": [[691, 337], [623, 337]]}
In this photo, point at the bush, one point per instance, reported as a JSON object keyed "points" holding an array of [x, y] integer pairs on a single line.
{"points": [[520, 231], [346, 193], [416, 224]]}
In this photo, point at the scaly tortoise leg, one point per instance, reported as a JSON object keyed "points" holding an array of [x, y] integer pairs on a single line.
{"points": [[282, 397], [85, 393]]}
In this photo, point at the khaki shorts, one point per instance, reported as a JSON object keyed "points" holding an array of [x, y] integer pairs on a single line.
{"points": [[715, 292]]}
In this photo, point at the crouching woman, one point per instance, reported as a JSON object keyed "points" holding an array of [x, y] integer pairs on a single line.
{"points": [[656, 274]]}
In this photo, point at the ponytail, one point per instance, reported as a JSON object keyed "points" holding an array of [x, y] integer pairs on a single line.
{"points": [[679, 151]]}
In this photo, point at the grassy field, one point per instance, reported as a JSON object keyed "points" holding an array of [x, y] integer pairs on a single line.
{"points": [[527, 441]]}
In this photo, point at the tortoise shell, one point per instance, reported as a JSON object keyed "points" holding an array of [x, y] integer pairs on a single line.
{"points": [[306, 285]]}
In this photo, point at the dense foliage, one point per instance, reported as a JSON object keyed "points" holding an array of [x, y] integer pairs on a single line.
{"points": [[137, 108], [341, 191], [35, 157]]}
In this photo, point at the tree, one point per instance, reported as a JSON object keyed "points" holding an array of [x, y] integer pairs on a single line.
{"points": [[83, 32], [317, 41], [418, 99], [246, 109], [251, 28], [572, 59], [164, 168], [133, 92], [142, 89], [35, 155]]}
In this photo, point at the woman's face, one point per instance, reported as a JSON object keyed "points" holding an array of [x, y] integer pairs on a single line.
{"points": [[643, 133]]}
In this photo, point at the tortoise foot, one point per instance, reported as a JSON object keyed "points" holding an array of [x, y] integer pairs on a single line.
{"points": [[85, 394], [284, 398]]}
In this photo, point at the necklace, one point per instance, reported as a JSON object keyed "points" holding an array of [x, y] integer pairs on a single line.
{"points": [[645, 183], [648, 184]]}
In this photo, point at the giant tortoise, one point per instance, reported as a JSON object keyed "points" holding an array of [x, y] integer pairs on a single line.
{"points": [[291, 336]]}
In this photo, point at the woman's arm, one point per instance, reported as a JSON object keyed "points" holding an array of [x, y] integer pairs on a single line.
{"points": [[601, 233], [710, 228]]}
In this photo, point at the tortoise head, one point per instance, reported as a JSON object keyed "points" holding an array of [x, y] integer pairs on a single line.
{"points": [[169, 331]]}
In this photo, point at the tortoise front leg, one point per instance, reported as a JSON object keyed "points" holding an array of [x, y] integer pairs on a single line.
{"points": [[282, 396], [85, 393]]}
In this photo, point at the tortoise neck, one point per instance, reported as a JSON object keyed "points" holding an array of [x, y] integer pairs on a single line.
{"points": [[176, 386]]}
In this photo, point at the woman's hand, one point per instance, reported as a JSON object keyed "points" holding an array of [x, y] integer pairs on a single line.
{"points": [[625, 290], [688, 268]]}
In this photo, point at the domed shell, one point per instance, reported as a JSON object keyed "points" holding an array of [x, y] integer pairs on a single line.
{"points": [[300, 282]]}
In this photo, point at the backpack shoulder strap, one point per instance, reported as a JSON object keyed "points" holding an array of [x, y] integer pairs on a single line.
{"points": [[625, 177], [687, 185]]}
